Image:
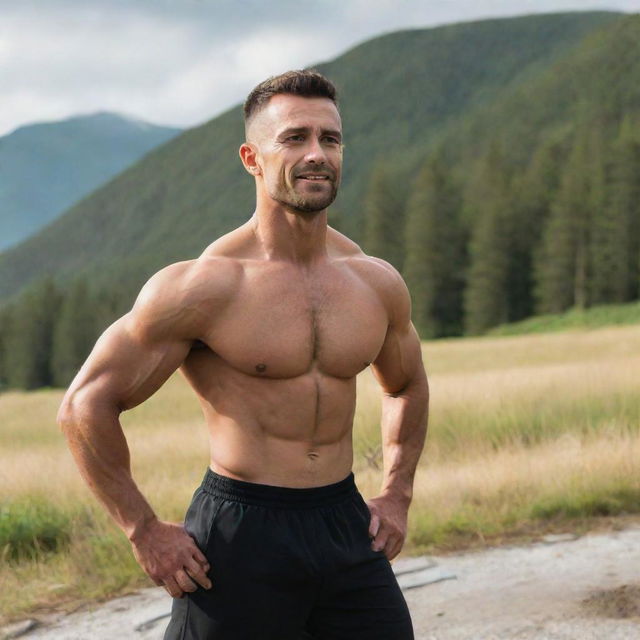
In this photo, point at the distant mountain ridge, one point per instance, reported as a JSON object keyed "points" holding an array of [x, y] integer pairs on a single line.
{"points": [[401, 94], [46, 167]]}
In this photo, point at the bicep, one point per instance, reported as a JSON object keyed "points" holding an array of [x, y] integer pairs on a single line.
{"points": [[400, 358], [127, 364]]}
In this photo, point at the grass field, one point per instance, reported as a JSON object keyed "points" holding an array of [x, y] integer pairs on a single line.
{"points": [[527, 434]]}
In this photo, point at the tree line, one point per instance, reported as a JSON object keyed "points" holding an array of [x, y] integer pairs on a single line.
{"points": [[49, 330], [487, 242]]}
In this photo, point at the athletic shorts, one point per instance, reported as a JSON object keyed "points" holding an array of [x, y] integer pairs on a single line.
{"points": [[287, 564]]}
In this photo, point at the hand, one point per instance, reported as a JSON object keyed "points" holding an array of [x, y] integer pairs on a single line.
{"points": [[388, 525], [170, 557]]}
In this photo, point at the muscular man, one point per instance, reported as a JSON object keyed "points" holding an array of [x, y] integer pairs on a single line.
{"points": [[270, 326]]}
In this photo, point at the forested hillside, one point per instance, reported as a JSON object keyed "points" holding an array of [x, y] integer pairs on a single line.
{"points": [[533, 205], [496, 164], [47, 167], [397, 93]]}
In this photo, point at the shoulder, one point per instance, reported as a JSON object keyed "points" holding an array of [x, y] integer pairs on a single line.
{"points": [[182, 295], [340, 246], [385, 279], [191, 282], [378, 274], [238, 243]]}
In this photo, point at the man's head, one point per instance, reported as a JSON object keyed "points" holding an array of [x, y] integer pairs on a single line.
{"points": [[294, 140], [304, 83]]}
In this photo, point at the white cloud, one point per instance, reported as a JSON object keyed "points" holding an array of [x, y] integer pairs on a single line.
{"points": [[183, 61], [53, 67], [223, 75]]}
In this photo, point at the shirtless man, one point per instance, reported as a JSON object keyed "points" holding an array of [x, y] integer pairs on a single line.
{"points": [[270, 326]]}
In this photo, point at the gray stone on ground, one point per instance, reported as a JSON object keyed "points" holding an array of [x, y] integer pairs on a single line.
{"points": [[416, 579], [559, 537], [17, 629]]}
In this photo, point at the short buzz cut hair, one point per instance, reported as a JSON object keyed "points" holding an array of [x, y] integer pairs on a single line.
{"points": [[305, 82]]}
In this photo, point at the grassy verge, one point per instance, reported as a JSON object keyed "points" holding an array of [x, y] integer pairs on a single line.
{"points": [[528, 434], [595, 317], [31, 527]]}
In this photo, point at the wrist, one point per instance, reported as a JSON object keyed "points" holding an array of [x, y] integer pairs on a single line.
{"points": [[400, 495], [138, 530]]}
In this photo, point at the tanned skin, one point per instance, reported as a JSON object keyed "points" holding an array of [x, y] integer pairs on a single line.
{"points": [[270, 326]]}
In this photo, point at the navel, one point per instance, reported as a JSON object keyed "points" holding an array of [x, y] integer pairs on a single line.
{"points": [[313, 455], [261, 368]]}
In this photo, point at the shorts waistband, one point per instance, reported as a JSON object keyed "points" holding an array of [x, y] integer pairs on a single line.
{"points": [[274, 496]]}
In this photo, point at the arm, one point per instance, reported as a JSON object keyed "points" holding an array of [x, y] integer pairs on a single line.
{"points": [[129, 362], [400, 372]]}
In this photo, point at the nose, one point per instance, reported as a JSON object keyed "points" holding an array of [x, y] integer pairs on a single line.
{"points": [[315, 152]]}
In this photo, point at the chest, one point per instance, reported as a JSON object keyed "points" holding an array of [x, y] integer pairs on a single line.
{"points": [[281, 325]]}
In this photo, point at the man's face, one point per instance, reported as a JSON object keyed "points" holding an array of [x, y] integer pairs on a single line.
{"points": [[299, 143]]}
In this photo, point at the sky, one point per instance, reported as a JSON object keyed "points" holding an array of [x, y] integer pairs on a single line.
{"points": [[182, 62]]}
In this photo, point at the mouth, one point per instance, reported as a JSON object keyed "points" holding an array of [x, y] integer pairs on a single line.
{"points": [[313, 177]]}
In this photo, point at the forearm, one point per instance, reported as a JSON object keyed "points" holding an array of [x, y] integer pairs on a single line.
{"points": [[404, 428], [96, 440]]}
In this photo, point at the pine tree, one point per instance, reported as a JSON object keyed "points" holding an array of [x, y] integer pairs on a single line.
{"points": [[486, 294], [384, 206], [30, 335], [109, 305], [5, 321], [435, 252], [74, 334], [562, 262], [532, 196], [608, 259], [623, 212]]}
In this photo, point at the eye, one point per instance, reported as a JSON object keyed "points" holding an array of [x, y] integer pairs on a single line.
{"points": [[297, 137], [331, 140]]}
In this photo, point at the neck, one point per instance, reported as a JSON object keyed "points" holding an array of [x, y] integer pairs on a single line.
{"points": [[289, 235]]}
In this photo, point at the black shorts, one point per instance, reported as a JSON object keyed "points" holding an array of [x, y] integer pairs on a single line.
{"points": [[287, 564]]}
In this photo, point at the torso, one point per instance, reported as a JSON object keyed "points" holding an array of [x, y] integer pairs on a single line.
{"points": [[275, 368]]}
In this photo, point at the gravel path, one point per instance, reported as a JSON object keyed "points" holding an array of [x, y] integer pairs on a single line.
{"points": [[582, 589], [562, 589]]}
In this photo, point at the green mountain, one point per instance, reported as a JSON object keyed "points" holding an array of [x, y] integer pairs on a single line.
{"points": [[47, 167], [401, 95]]}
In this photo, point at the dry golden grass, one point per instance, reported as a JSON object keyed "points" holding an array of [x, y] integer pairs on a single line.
{"points": [[522, 429], [484, 354]]}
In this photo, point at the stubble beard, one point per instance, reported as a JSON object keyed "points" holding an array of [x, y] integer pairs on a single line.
{"points": [[290, 199]]}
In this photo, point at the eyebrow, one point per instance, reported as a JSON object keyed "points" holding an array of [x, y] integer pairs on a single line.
{"points": [[293, 130]]}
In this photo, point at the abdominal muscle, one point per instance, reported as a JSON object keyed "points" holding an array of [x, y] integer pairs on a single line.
{"points": [[290, 432]]}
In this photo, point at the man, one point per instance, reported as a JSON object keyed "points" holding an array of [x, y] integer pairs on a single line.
{"points": [[270, 326]]}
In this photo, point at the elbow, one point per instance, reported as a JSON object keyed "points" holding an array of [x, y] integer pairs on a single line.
{"points": [[68, 412], [77, 406], [85, 405]]}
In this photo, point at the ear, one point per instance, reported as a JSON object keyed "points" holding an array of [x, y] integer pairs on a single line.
{"points": [[249, 156]]}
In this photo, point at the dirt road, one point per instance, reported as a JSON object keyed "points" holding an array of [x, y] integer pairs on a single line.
{"points": [[578, 589]]}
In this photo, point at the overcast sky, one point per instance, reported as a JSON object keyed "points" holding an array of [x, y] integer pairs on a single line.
{"points": [[182, 62]]}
